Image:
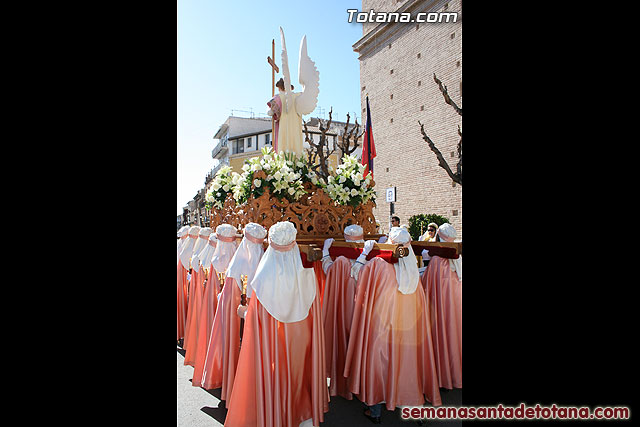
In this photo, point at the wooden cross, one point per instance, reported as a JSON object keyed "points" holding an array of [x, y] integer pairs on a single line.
{"points": [[274, 70]]}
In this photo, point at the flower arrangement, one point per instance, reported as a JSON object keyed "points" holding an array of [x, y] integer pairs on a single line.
{"points": [[348, 186], [221, 186], [285, 173]]}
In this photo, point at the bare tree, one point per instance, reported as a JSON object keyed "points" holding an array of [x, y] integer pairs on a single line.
{"points": [[345, 144], [457, 176], [319, 151]]}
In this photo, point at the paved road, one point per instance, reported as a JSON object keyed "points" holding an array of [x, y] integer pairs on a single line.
{"points": [[199, 407]]}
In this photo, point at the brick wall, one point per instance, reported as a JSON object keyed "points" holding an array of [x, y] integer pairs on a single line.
{"points": [[417, 52]]}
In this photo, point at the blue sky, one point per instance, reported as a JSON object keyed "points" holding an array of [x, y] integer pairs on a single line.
{"points": [[222, 65]]}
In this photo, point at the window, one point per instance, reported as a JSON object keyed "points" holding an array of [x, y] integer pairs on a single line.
{"points": [[249, 141], [238, 146], [267, 139]]}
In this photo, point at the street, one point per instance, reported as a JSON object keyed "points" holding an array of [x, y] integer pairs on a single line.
{"points": [[199, 407]]}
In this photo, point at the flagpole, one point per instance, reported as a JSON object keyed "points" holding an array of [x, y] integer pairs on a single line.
{"points": [[368, 150]]}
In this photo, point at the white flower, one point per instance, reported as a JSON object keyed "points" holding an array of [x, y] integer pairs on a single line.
{"points": [[218, 194], [256, 167], [216, 186], [257, 183], [300, 164], [354, 192], [225, 187], [277, 176], [342, 179], [246, 167], [292, 190]]}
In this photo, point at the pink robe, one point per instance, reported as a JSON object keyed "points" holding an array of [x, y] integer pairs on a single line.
{"points": [[205, 323], [281, 371], [195, 299], [444, 293], [390, 355], [223, 348], [320, 278], [182, 299], [337, 313], [276, 106]]}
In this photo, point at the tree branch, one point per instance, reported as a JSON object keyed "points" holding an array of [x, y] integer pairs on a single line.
{"points": [[457, 177], [459, 166], [345, 144], [317, 150], [445, 93]]}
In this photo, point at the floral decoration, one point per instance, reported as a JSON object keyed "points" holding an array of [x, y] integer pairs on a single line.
{"points": [[348, 186], [221, 186]]}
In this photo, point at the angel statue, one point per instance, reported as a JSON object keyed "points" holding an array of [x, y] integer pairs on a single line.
{"points": [[287, 108]]}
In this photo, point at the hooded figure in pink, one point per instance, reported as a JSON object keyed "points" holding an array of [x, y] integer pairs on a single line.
{"points": [[337, 308], [281, 377], [219, 366], [184, 265], [390, 356], [442, 282]]}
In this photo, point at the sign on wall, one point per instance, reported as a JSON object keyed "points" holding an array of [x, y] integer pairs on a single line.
{"points": [[391, 194]]}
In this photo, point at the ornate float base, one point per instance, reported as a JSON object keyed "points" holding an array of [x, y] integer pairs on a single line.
{"points": [[314, 214]]}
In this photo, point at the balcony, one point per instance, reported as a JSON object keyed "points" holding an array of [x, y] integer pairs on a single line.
{"points": [[220, 150], [215, 169]]}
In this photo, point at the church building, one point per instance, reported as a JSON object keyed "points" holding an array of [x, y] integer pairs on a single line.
{"points": [[397, 66]]}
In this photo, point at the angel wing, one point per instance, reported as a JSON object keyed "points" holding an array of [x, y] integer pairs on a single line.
{"points": [[287, 101], [309, 78]]}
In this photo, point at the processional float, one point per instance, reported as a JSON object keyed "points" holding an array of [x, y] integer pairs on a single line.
{"points": [[315, 214]]}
